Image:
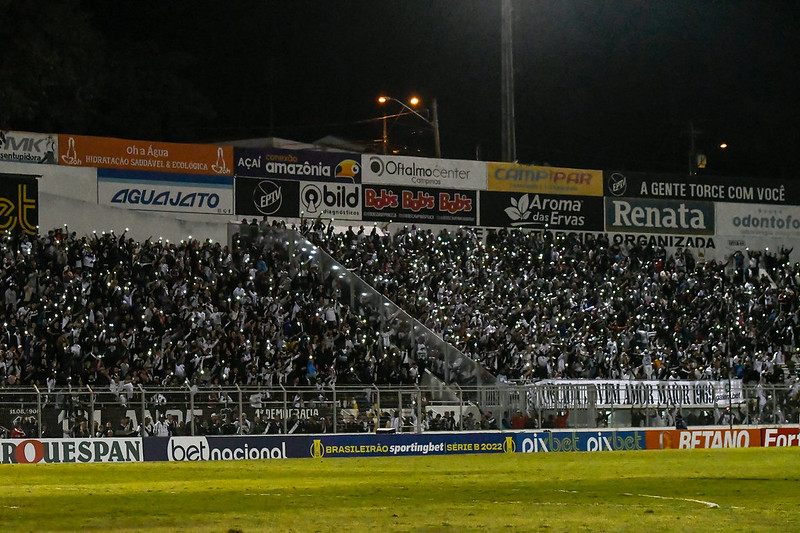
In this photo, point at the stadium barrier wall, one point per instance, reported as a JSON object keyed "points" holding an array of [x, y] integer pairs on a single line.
{"points": [[227, 448]]}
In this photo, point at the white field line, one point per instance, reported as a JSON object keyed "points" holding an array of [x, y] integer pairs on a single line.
{"points": [[711, 505]]}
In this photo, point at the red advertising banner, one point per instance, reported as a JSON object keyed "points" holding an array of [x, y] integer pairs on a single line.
{"points": [[781, 437], [658, 439], [104, 152]]}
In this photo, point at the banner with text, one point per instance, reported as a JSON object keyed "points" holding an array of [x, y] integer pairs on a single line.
{"points": [[576, 213], [658, 439], [579, 441], [275, 198], [115, 450], [544, 180], [409, 444], [162, 191], [706, 188], [760, 220], [557, 394], [423, 172], [704, 244], [339, 167], [104, 152], [25, 147], [650, 215], [340, 201], [19, 204], [419, 205], [780, 437]]}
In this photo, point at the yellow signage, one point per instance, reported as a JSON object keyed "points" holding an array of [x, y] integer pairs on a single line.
{"points": [[512, 177]]}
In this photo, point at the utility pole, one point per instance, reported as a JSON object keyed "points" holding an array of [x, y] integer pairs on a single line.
{"points": [[693, 133], [509, 137], [437, 145]]}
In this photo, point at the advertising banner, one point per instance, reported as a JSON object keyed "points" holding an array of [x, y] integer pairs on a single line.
{"points": [[705, 188], [409, 444], [19, 203], [579, 441], [424, 172], [419, 205], [555, 394], [645, 215], [258, 197], [163, 191], [25, 147], [339, 167], [544, 180], [573, 213], [318, 446], [760, 220], [331, 200], [780, 437], [701, 244], [104, 152], [114, 450], [658, 439], [223, 448]]}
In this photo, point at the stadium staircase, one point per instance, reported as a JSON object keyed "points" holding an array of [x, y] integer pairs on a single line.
{"points": [[455, 376]]}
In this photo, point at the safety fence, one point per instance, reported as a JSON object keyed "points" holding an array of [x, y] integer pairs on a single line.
{"points": [[84, 412]]}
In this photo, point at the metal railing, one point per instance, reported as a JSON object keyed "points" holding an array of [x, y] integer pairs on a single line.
{"points": [[82, 412]]}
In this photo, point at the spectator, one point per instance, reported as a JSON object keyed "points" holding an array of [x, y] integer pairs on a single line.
{"points": [[519, 421], [162, 427]]}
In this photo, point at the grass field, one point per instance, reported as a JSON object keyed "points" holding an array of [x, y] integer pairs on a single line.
{"points": [[672, 490]]}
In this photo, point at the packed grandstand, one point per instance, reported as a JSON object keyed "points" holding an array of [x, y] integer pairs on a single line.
{"points": [[105, 310]]}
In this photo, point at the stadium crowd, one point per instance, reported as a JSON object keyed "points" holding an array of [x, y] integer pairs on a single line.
{"points": [[107, 311], [536, 305]]}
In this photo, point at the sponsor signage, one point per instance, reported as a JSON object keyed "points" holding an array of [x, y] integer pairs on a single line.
{"points": [[644, 215], [579, 441], [781, 437], [19, 204], [555, 394], [409, 444], [104, 152], [114, 450], [654, 241], [708, 188], [759, 220], [419, 205], [25, 147], [340, 167], [219, 448], [162, 191], [702, 438], [331, 200], [544, 180], [424, 172], [271, 197], [528, 210]]}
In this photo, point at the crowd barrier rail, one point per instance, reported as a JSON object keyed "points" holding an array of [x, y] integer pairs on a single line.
{"points": [[128, 411]]}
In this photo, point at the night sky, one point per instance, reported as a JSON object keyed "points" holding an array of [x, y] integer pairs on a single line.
{"points": [[606, 84]]}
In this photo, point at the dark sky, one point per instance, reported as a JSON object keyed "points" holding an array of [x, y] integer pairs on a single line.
{"points": [[606, 84]]}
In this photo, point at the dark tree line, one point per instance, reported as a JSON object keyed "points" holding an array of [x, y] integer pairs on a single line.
{"points": [[65, 69]]}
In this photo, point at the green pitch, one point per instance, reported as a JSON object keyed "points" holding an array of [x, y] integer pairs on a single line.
{"points": [[672, 490]]}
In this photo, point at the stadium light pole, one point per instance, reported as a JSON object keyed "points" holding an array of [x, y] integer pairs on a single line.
{"points": [[433, 122]]}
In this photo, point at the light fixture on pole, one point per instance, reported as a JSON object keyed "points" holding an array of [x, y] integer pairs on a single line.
{"points": [[433, 123]]}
